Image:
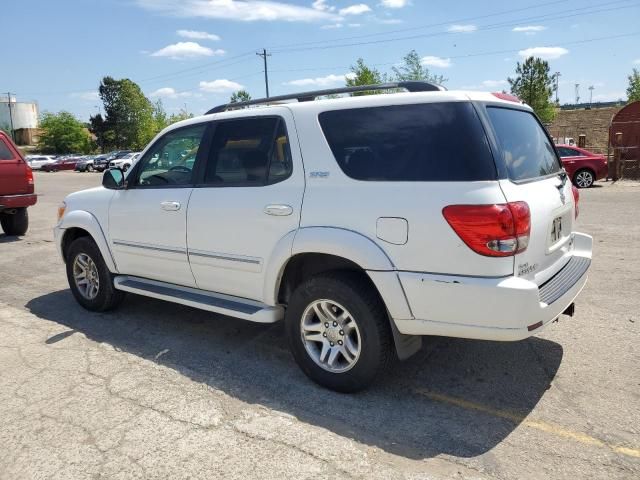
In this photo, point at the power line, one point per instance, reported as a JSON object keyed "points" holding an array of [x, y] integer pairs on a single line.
{"points": [[555, 16], [264, 56]]}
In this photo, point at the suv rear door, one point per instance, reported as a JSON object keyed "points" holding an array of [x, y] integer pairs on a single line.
{"points": [[534, 175], [13, 169]]}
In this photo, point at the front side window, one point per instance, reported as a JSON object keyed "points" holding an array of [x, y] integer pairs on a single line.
{"points": [[5, 151], [410, 143], [170, 160], [524, 146], [249, 152]]}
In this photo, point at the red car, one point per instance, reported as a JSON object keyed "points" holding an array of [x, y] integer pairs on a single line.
{"points": [[584, 167], [16, 188], [65, 163]]}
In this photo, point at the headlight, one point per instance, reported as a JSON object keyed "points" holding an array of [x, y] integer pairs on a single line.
{"points": [[61, 208]]}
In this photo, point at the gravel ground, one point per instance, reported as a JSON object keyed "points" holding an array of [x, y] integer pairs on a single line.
{"points": [[156, 390]]}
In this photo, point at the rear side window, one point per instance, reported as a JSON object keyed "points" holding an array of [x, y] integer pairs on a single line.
{"points": [[5, 151], [249, 152], [410, 143], [525, 149]]}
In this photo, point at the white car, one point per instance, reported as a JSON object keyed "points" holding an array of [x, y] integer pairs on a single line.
{"points": [[363, 222], [37, 161], [124, 162]]}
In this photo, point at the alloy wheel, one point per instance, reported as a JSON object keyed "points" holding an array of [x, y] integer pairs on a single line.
{"points": [[85, 275]]}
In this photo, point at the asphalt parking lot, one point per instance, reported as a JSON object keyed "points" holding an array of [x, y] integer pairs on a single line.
{"points": [[156, 390]]}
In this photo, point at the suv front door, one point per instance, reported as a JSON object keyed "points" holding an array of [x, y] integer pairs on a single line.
{"points": [[147, 220], [248, 200]]}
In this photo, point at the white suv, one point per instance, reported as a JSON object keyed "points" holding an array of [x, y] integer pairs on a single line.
{"points": [[364, 222]]}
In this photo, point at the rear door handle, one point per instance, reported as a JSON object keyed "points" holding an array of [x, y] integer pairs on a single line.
{"points": [[278, 210], [170, 206]]}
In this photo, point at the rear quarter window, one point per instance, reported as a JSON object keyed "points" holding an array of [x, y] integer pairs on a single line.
{"points": [[5, 151], [525, 148], [410, 143]]}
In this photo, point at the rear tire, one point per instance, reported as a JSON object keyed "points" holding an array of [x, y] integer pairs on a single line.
{"points": [[15, 224], [89, 168], [358, 326], [90, 280], [584, 178]]}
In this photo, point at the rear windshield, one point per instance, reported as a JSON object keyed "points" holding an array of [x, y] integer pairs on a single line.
{"points": [[526, 150], [410, 143]]}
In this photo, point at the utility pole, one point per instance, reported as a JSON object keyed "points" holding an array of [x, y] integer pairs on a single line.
{"points": [[264, 56], [577, 93], [10, 116], [591, 96], [557, 75]]}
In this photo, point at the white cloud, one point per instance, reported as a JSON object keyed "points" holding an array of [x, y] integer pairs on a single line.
{"points": [[357, 9], [389, 21], [606, 97], [354, 25], [182, 50], [637, 61], [546, 53], [322, 6], [320, 81], [431, 61], [332, 26], [462, 28], [238, 10], [529, 29], [169, 92], [197, 35], [220, 86], [394, 3], [86, 96]]}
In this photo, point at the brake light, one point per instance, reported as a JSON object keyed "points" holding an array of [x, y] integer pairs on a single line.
{"points": [[576, 198], [500, 230], [29, 178]]}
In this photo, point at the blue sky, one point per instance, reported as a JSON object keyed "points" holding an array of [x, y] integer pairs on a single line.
{"points": [[196, 52]]}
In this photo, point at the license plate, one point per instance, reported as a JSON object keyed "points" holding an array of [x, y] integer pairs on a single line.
{"points": [[556, 230]]}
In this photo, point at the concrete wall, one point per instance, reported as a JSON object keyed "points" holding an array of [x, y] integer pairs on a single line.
{"points": [[592, 123]]}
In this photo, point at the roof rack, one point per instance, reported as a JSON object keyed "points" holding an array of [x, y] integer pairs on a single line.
{"points": [[410, 86]]}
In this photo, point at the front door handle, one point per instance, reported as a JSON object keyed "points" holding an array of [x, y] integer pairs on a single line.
{"points": [[170, 206], [278, 210]]}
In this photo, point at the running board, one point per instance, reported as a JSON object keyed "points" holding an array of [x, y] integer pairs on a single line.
{"points": [[193, 297]]}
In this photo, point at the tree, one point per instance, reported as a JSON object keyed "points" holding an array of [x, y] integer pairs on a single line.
{"points": [[240, 96], [62, 133], [363, 75], [534, 86], [129, 120], [412, 69], [633, 90]]}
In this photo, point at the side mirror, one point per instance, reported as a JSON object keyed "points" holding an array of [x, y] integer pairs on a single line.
{"points": [[113, 179]]}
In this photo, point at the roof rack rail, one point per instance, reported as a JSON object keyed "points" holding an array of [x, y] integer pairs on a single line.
{"points": [[410, 86]]}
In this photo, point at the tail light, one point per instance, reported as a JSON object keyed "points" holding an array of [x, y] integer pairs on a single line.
{"points": [[576, 198], [29, 178], [492, 230]]}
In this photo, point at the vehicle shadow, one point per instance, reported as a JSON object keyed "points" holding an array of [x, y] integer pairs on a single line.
{"points": [[423, 408], [4, 238]]}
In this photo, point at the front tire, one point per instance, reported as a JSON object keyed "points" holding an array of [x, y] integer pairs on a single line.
{"points": [[16, 223], [338, 331], [584, 178], [89, 168], [90, 280]]}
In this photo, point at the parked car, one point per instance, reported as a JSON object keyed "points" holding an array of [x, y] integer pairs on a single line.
{"points": [[37, 161], [352, 219], [64, 163], [125, 161], [584, 167], [85, 165], [16, 188], [101, 162]]}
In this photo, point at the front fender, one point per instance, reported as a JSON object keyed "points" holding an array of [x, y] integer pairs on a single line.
{"points": [[88, 222]]}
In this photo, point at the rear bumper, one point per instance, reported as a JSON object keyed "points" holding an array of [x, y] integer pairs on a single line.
{"points": [[17, 201], [508, 308]]}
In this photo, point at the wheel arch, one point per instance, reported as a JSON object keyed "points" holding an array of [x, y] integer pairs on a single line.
{"points": [[78, 224]]}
